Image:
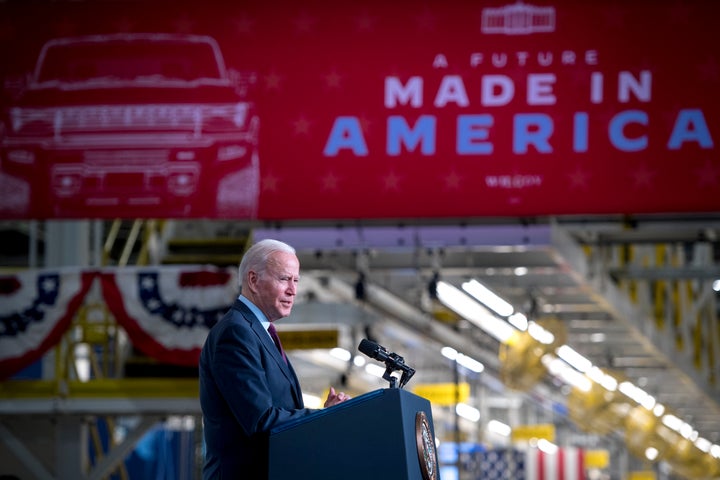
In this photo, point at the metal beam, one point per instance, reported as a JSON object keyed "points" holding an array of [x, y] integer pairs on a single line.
{"points": [[22, 453], [117, 454]]}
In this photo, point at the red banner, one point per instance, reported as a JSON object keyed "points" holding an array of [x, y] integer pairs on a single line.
{"points": [[361, 110]]}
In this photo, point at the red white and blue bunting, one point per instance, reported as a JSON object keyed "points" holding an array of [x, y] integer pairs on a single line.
{"points": [[166, 311]]}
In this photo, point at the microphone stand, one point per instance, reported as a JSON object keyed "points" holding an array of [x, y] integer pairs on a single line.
{"points": [[395, 363]]}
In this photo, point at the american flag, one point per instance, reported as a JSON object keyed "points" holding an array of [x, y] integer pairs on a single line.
{"points": [[532, 464], [503, 464]]}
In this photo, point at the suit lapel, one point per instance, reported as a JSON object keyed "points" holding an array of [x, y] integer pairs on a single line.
{"points": [[269, 345]]}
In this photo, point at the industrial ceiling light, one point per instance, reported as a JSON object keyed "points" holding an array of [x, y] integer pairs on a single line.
{"points": [[499, 427], [463, 360], [472, 311], [488, 298], [519, 320], [573, 358], [540, 334], [468, 412]]}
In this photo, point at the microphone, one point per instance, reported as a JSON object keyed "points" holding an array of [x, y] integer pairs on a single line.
{"points": [[393, 362]]}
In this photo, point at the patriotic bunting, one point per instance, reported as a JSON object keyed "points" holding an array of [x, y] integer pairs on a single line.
{"points": [[167, 311], [37, 309]]}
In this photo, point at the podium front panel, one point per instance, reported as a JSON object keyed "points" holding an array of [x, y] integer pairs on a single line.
{"points": [[373, 436]]}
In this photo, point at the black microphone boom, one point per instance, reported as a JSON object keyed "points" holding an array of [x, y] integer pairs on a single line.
{"points": [[393, 362]]}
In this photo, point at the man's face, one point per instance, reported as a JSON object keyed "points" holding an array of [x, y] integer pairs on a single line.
{"points": [[274, 290]]}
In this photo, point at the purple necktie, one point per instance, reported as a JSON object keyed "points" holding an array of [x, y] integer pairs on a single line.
{"points": [[276, 339]]}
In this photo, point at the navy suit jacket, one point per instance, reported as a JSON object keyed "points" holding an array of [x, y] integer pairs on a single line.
{"points": [[246, 388]]}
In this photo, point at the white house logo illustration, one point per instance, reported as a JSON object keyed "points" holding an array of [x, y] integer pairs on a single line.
{"points": [[518, 19]]}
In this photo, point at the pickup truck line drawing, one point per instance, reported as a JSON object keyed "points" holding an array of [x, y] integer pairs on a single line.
{"points": [[134, 125]]}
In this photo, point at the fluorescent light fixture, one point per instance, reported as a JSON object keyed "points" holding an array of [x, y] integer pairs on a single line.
{"points": [[688, 431], [488, 298], [628, 389], [475, 313], [564, 372], [359, 361], [520, 271], [703, 444], [715, 451], [470, 363], [540, 334], [716, 285], [648, 402], [449, 353], [547, 446], [658, 410], [597, 337], [598, 376], [651, 453], [464, 360], [468, 412], [499, 427], [519, 321], [638, 394], [673, 422], [341, 354], [572, 357]]}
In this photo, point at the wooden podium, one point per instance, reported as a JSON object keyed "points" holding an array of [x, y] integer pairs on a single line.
{"points": [[383, 434]]}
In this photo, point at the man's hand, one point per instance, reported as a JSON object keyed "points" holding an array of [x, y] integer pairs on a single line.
{"points": [[335, 398]]}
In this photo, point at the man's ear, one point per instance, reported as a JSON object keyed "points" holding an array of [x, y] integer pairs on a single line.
{"points": [[252, 278]]}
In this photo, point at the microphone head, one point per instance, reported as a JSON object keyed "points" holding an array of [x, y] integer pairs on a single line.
{"points": [[368, 347]]}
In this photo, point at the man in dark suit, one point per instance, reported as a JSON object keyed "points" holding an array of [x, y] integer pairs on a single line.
{"points": [[247, 385]]}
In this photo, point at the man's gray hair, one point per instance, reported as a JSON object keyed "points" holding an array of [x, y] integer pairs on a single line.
{"points": [[256, 257]]}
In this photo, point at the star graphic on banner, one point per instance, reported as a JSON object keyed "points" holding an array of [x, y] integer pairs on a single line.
{"points": [[147, 282], [614, 17], [452, 181], [7, 30], [709, 70], [708, 174], [272, 81], [425, 21], [391, 181], [124, 24], [301, 126], [49, 285], [643, 177], [304, 23], [365, 23], [679, 14], [244, 24], [65, 27], [184, 24], [579, 178], [330, 182], [365, 124], [153, 303], [333, 79], [270, 183]]}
